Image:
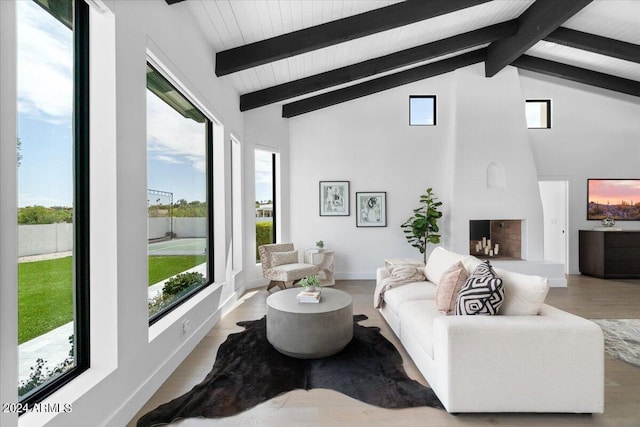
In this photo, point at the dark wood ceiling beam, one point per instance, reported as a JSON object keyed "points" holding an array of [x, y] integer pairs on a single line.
{"points": [[173, 1], [375, 66], [596, 44], [577, 74], [537, 22], [383, 83], [334, 32]]}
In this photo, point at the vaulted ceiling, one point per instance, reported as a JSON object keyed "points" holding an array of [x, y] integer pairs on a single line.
{"points": [[311, 54]]}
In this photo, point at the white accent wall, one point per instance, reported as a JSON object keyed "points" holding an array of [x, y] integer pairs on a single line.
{"points": [[368, 141], [595, 133]]}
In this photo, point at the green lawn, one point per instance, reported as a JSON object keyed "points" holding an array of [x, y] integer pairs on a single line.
{"points": [[45, 294]]}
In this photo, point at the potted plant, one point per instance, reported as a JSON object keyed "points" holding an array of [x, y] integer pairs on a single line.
{"points": [[310, 283], [320, 245], [422, 227]]}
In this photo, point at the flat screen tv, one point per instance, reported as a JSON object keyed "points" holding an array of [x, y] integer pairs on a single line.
{"points": [[613, 198]]}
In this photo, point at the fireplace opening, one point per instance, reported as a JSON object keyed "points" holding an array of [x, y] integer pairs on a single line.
{"points": [[496, 238]]}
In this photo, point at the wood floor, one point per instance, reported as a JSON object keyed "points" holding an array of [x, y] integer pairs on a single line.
{"points": [[587, 297]]}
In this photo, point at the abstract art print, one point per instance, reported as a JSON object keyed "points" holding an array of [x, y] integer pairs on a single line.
{"points": [[372, 209], [334, 198]]}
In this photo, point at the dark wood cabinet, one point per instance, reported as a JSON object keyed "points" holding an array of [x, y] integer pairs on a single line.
{"points": [[609, 254]]}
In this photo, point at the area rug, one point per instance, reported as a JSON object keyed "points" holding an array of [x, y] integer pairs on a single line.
{"points": [[622, 338], [249, 371]]}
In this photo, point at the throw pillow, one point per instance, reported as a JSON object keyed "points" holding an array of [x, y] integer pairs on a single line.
{"points": [[524, 293], [280, 258], [440, 260], [482, 293], [450, 284]]}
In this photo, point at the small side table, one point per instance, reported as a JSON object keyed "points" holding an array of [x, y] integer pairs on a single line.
{"points": [[325, 261]]}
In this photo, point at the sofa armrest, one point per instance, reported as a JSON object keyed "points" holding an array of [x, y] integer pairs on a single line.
{"points": [[502, 363], [381, 274]]}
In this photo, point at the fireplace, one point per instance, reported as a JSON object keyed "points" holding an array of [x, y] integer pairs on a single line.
{"points": [[496, 238]]}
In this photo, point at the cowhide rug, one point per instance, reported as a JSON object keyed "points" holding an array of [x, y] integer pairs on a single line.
{"points": [[249, 371]]}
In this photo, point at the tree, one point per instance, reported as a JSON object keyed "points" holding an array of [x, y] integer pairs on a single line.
{"points": [[422, 227]]}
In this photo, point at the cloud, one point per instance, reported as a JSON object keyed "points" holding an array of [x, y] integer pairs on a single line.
{"points": [[174, 137], [264, 166], [169, 159], [45, 65]]}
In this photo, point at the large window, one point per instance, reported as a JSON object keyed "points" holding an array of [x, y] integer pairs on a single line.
{"points": [[265, 164], [53, 220], [179, 181]]}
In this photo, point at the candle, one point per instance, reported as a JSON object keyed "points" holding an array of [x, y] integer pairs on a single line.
{"points": [[489, 242], [491, 252], [495, 251], [486, 250], [484, 242]]}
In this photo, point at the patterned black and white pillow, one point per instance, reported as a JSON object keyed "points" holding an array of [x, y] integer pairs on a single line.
{"points": [[482, 293]]}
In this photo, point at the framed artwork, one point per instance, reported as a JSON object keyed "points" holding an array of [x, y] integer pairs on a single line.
{"points": [[334, 198], [372, 209]]}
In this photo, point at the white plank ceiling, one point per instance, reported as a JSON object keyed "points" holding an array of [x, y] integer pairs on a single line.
{"points": [[232, 23]]}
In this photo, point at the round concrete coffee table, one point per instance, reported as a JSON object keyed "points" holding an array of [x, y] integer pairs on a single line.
{"points": [[309, 331]]}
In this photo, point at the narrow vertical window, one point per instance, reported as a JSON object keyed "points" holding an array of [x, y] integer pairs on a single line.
{"points": [[53, 218], [422, 110], [179, 181], [265, 164], [538, 112]]}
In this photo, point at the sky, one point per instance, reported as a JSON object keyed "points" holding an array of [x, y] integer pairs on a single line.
{"points": [[613, 191], [45, 106], [45, 103], [264, 181]]}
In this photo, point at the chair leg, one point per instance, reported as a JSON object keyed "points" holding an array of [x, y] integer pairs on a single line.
{"points": [[277, 283]]}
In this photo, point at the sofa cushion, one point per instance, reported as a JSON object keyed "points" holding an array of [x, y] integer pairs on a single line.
{"points": [[438, 262], [450, 284], [524, 294], [395, 297], [416, 319], [483, 292], [281, 258]]}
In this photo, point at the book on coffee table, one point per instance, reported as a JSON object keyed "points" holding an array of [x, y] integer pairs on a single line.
{"points": [[312, 297]]}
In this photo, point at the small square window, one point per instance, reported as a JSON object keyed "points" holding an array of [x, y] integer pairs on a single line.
{"points": [[538, 113], [422, 110]]}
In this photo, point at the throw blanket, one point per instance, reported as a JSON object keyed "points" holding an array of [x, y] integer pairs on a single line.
{"points": [[400, 274]]}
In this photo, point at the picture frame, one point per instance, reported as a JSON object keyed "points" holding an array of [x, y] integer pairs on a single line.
{"points": [[334, 198], [371, 209]]}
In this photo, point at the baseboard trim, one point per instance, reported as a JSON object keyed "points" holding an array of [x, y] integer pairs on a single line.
{"points": [[136, 400]]}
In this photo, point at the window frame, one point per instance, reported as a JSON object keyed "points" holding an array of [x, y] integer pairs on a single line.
{"points": [[81, 209], [548, 109], [435, 104], [209, 192]]}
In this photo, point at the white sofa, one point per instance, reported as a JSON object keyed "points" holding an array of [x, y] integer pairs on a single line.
{"points": [[549, 362]]}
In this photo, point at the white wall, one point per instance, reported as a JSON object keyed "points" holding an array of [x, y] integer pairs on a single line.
{"points": [[594, 134], [369, 143], [8, 214], [265, 129]]}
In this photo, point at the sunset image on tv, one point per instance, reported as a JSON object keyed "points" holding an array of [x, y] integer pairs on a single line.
{"points": [[614, 198]]}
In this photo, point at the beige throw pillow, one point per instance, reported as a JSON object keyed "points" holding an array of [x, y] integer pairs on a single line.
{"points": [[280, 258], [447, 290]]}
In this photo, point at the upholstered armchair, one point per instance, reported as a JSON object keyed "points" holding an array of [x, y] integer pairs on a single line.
{"points": [[280, 265]]}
